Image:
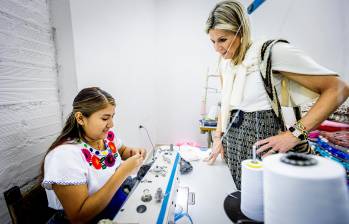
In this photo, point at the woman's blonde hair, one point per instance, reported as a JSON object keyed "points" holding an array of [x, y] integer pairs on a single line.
{"points": [[231, 16]]}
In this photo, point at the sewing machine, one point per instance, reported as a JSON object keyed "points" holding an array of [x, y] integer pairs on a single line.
{"points": [[154, 199]]}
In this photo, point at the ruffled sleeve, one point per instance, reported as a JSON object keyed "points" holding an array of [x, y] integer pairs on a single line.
{"points": [[65, 165]]}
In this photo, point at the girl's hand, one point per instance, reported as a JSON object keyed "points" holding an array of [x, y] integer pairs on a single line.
{"points": [[282, 143], [217, 149], [140, 151], [132, 164]]}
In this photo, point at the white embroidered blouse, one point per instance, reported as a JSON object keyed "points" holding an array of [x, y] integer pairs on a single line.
{"points": [[77, 163]]}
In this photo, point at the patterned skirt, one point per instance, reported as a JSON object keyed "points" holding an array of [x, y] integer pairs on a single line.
{"points": [[246, 128]]}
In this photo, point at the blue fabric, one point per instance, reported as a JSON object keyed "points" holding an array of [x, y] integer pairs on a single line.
{"points": [[113, 207], [108, 213]]}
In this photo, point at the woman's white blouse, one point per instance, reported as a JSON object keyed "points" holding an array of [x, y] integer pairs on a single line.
{"points": [[285, 57]]}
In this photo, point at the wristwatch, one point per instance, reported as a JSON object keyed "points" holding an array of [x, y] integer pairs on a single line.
{"points": [[296, 132]]}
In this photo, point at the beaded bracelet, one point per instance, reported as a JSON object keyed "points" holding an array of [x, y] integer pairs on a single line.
{"points": [[122, 153], [298, 130]]}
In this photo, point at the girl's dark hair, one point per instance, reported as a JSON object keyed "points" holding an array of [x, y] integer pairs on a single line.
{"points": [[88, 101]]}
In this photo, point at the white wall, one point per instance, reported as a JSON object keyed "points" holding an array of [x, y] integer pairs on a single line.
{"points": [[345, 60], [183, 54], [114, 50], [145, 57], [30, 115], [65, 55], [153, 57], [317, 27]]}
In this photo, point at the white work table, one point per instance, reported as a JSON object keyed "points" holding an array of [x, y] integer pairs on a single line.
{"points": [[211, 184]]}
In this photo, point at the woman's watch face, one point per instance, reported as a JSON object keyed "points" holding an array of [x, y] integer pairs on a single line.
{"points": [[302, 137]]}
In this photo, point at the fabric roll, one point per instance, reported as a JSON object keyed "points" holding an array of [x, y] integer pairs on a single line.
{"points": [[340, 138], [332, 126]]}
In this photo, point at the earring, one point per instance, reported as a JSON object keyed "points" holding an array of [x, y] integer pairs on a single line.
{"points": [[80, 121]]}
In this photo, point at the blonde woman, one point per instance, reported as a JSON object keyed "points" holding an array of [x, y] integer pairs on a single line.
{"points": [[257, 78]]}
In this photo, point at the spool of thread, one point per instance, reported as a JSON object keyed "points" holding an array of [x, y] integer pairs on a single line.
{"points": [[252, 189], [301, 188]]}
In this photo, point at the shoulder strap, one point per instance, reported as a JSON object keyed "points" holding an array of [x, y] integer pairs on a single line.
{"points": [[269, 84], [268, 78]]}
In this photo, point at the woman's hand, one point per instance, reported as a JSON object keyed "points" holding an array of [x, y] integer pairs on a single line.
{"points": [[217, 149], [132, 164], [282, 143]]}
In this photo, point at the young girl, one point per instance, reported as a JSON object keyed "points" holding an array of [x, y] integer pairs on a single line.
{"points": [[82, 170]]}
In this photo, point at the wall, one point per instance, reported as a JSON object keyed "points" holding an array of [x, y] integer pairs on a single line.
{"points": [[115, 50], [144, 56], [345, 60], [183, 54], [317, 27], [30, 115], [65, 55]]}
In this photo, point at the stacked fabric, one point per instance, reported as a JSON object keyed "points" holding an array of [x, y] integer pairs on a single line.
{"points": [[340, 115], [331, 139], [323, 147]]}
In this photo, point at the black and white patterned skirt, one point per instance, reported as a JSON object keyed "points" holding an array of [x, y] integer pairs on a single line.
{"points": [[245, 130]]}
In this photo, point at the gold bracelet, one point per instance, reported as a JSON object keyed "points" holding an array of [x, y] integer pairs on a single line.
{"points": [[298, 130], [300, 126]]}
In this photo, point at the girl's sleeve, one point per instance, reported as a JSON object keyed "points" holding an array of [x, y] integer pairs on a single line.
{"points": [[65, 165]]}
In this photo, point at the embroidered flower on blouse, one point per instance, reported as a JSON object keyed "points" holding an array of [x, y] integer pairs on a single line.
{"points": [[112, 147], [87, 154], [109, 160], [110, 136], [96, 163], [101, 159]]}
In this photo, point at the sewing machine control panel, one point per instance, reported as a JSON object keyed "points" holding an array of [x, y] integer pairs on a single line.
{"points": [[153, 200]]}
